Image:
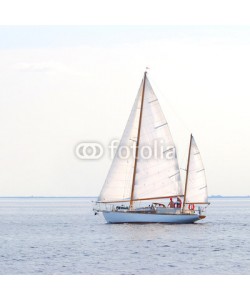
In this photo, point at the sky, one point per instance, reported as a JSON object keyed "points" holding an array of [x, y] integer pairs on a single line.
{"points": [[62, 85]]}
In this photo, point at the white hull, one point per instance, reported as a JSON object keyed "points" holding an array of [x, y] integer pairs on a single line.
{"points": [[128, 217]]}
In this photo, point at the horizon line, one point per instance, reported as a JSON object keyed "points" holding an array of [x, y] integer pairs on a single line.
{"points": [[211, 196]]}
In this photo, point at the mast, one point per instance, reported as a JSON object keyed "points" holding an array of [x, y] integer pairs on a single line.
{"points": [[189, 154], [137, 142]]}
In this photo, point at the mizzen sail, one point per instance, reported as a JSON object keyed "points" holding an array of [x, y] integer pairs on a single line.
{"points": [[196, 185]]}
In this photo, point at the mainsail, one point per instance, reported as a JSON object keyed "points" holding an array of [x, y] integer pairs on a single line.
{"points": [[196, 185], [159, 175], [156, 171]]}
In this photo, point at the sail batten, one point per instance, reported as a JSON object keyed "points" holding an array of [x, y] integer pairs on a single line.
{"points": [[153, 101], [161, 125]]}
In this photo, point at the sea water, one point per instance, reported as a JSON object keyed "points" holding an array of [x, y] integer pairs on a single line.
{"points": [[63, 236]]}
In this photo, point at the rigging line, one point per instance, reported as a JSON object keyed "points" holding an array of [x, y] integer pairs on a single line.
{"points": [[186, 126], [138, 140], [182, 123]]}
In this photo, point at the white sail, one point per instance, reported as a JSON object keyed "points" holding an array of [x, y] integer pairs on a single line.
{"points": [[157, 174], [196, 182], [118, 183]]}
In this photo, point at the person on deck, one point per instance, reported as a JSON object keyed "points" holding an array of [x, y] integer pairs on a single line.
{"points": [[179, 202], [171, 203]]}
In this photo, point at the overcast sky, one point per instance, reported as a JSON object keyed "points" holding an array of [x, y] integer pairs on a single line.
{"points": [[63, 85]]}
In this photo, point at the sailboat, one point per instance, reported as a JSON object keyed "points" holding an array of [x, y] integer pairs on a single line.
{"points": [[147, 188]]}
